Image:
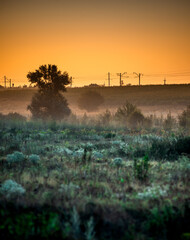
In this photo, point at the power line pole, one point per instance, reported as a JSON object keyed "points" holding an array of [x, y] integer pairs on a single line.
{"points": [[5, 79], [164, 81], [139, 75], [109, 79], [120, 80]]}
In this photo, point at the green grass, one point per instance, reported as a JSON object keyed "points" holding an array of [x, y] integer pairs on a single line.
{"points": [[78, 189]]}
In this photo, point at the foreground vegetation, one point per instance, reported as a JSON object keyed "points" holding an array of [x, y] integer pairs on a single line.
{"points": [[63, 181]]}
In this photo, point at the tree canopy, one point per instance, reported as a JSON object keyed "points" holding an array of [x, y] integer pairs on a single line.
{"points": [[49, 78]]}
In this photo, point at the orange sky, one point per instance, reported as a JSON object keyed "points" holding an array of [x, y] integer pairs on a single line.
{"points": [[90, 38]]}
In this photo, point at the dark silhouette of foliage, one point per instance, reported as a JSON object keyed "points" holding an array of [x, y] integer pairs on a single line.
{"points": [[169, 122], [90, 101], [105, 118], [13, 116], [49, 106], [184, 118], [49, 78], [183, 145], [130, 115], [49, 103]]}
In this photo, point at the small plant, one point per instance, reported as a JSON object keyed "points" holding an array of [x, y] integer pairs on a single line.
{"points": [[97, 155], [75, 219], [89, 233], [34, 158], [184, 118], [153, 192], [11, 189], [15, 157], [117, 162], [141, 167], [69, 189], [169, 122]]}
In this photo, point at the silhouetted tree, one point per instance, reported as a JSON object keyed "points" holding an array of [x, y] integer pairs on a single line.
{"points": [[90, 101], [48, 102]]}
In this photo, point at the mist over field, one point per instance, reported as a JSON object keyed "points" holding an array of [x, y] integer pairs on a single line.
{"points": [[158, 100]]}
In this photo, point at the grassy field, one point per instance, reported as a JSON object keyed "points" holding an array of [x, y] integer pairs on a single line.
{"points": [[62, 181], [150, 99], [118, 176]]}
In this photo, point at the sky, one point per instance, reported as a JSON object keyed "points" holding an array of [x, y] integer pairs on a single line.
{"points": [[89, 38]]}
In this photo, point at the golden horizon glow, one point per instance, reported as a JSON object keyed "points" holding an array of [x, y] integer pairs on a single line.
{"points": [[90, 38]]}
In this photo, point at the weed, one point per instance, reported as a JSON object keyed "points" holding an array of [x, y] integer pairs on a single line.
{"points": [[141, 167]]}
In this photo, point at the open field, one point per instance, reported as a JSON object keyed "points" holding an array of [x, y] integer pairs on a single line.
{"points": [[150, 99], [61, 181], [118, 176]]}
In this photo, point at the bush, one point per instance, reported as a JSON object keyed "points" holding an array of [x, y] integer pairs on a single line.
{"points": [[183, 145], [90, 101], [105, 118], [129, 115], [163, 149], [169, 122], [34, 158], [11, 189], [118, 162], [184, 118], [141, 167], [15, 157], [15, 117]]}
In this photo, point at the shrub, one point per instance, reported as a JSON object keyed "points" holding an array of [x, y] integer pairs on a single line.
{"points": [[34, 158], [118, 162], [163, 149], [15, 157], [89, 233], [182, 145], [15, 117], [12, 189], [169, 122], [105, 118], [184, 118], [141, 167], [96, 155], [129, 115], [90, 101]]}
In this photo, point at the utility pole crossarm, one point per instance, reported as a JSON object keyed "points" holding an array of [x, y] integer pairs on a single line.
{"points": [[139, 75], [121, 75]]}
